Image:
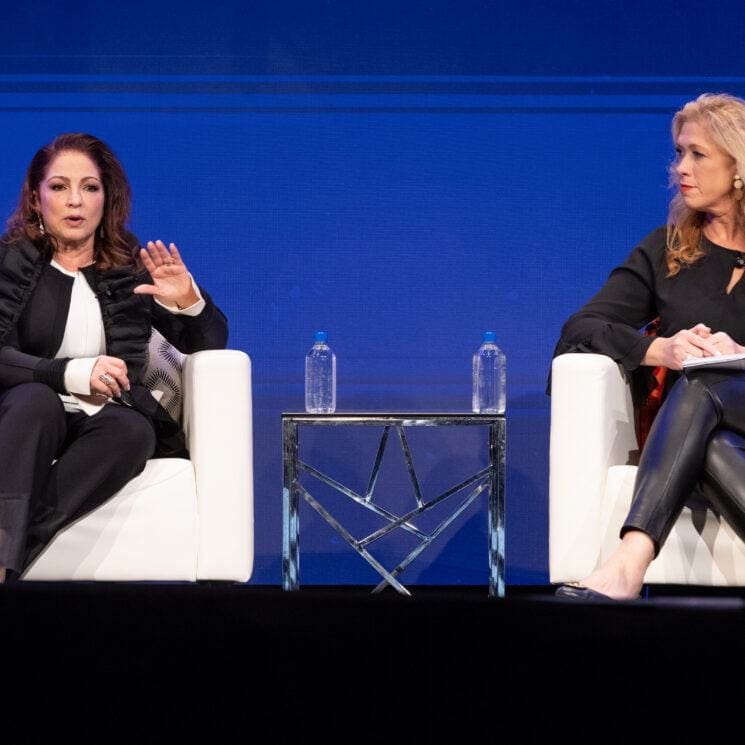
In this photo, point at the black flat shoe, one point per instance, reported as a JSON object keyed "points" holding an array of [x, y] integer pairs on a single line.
{"points": [[585, 594]]}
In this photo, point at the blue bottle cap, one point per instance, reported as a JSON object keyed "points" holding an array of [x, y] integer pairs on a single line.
{"points": [[490, 337], [321, 336]]}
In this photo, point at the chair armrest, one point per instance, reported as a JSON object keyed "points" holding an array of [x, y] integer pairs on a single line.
{"points": [[218, 428], [592, 429]]}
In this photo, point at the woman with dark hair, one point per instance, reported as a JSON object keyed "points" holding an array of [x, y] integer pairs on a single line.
{"points": [[689, 276], [78, 300]]}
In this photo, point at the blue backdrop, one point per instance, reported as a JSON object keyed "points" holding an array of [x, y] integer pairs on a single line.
{"points": [[403, 175]]}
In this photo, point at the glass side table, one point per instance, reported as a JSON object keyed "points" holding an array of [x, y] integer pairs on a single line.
{"points": [[489, 480]]}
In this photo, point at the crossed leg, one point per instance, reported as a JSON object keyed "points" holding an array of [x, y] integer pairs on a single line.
{"points": [[698, 437]]}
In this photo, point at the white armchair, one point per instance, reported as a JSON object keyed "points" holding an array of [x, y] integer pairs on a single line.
{"points": [[179, 519], [590, 484]]}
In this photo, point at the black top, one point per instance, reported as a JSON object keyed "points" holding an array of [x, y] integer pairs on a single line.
{"points": [[34, 304], [639, 291], [35, 301]]}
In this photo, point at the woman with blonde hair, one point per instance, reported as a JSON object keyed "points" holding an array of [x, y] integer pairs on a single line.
{"points": [[687, 275]]}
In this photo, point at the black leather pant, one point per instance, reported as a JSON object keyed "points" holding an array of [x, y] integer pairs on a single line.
{"points": [[697, 439]]}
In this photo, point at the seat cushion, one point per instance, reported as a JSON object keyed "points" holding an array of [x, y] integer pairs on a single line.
{"points": [[146, 531]]}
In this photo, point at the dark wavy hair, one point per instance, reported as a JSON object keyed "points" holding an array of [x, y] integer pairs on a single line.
{"points": [[112, 246]]}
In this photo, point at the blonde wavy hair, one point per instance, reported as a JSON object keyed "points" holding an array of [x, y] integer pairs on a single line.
{"points": [[723, 117]]}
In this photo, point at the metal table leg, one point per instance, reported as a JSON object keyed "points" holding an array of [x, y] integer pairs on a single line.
{"points": [[290, 507], [497, 463]]}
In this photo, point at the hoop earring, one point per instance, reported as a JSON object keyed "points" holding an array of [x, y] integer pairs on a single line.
{"points": [[737, 184], [41, 226]]}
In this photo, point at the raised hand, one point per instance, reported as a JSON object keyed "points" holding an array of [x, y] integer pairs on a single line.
{"points": [[171, 281]]}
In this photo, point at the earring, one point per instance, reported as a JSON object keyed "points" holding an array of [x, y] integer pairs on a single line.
{"points": [[737, 184], [100, 231], [41, 226]]}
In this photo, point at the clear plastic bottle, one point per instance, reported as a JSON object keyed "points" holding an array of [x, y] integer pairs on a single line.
{"points": [[320, 377], [489, 377]]}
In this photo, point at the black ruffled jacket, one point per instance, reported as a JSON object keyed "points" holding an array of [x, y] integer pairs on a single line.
{"points": [[34, 303]]}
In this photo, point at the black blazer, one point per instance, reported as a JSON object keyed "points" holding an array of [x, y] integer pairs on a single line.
{"points": [[35, 301]]}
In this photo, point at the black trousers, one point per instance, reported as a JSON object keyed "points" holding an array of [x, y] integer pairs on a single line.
{"points": [[697, 439], [95, 457]]}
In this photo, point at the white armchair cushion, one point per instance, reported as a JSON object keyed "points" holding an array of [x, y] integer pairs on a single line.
{"points": [[217, 422], [614, 507], [592, 428], [146, 531]]}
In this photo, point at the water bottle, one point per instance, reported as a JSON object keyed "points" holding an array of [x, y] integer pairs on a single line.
{"points": [[320, 377], [489, 377]]}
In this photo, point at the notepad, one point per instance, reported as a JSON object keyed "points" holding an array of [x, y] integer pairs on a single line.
{"points": [[723, 362]]}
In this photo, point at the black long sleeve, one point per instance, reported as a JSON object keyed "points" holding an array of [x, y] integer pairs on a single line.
{"points": [[609, 323], [640, 290], [208, 330], [16, 367]]}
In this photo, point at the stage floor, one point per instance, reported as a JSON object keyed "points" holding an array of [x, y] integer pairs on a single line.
{"points": [[210, 662]]}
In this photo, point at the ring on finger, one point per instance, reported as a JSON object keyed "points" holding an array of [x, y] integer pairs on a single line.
{"points": [[106, 379]]}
